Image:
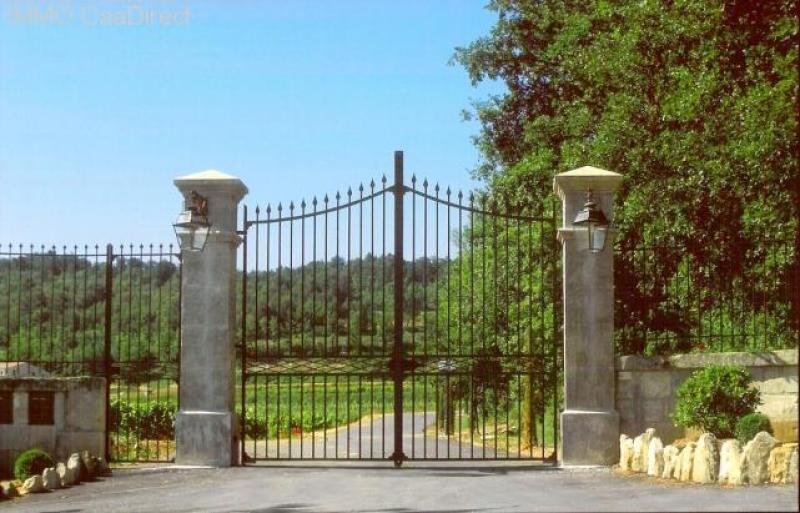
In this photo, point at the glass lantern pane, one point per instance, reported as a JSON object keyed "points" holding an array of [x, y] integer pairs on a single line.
{"points": [[598, 239], [200, 237]]}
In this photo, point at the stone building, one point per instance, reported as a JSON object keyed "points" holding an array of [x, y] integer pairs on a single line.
{"points": [[60, 415]]}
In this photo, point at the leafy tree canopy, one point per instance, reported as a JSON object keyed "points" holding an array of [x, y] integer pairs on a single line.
{"points": [[694, 102]]}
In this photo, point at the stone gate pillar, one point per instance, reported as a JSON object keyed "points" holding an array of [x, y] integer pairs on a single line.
{"points": [[206, 429], [589, 422]]}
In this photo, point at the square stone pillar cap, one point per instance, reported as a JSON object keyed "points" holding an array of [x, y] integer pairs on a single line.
{"points": [[212, 182], [578, 180]]}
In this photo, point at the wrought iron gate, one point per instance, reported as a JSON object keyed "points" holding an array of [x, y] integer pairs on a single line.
{"points": [[354, 347]]}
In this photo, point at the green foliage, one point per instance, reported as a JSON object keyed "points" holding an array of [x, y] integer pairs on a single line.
{"points": [[334, 303], [496, 299], [750, 425], [143, 420], [695, 104], [54, 313], [714, 398], [31, 463], [259, 426]]}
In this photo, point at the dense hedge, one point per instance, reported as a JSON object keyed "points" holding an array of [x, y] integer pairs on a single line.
{"points": [[145, 421]]}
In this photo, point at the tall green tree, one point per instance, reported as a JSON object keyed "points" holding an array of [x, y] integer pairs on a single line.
{"points": [[694, 102]]}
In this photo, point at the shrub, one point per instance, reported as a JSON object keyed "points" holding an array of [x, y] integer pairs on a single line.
{"points": [[714, 398], [750, 425], [31, 463], [145, 421]]}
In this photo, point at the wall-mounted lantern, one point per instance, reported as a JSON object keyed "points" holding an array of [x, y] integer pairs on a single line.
{"points": [[192, 226], [595, 221]]}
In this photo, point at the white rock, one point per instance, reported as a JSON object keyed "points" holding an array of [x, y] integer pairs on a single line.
{"points": [[9, 489], [671, 454], [640, 446], [33, 484], [74, 466], [731, 463], [791, 476], [705, 464], [101, 466], [625, 452], [67, 475], [89, 465], [756, 457], [684, 470], [780, 462], [51, 479], [655, 457]]}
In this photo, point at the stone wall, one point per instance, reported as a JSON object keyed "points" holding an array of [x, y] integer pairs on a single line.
{"points": [[645, 392], [79, 418]]}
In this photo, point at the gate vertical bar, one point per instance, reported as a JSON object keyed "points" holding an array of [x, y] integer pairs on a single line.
{"points": [[242, 420], [107, 343], [397, 354]]}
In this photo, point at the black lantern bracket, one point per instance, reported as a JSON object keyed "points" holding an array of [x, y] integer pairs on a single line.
{"points": [[192, 226]]}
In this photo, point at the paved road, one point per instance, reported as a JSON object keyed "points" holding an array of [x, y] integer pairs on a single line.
{"points": [[373, 438], [380, 488]]}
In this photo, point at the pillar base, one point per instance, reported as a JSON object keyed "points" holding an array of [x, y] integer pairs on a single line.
{"points": [[206, 438], [589, 437]]}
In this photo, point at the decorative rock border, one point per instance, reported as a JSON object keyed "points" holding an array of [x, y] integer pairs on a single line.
{"points": [[80, 467], [708, 460]]}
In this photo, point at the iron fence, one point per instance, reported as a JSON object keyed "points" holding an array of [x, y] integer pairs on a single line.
{"points": [[681, 298], [100, 311]]}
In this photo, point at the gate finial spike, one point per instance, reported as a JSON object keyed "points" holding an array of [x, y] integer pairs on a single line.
{"points": [[372, 184], [303, 204], [325, 199], [258, 209], [361, 187], [436, 188], [280, 207], [314, 202], [448, 192], [383, 179], [460, 195], [349, 192], [291, 206], [338, 196], [425, 183]]}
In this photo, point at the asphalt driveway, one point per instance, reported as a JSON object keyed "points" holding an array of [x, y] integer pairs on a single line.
{"points": [[380, 488]]}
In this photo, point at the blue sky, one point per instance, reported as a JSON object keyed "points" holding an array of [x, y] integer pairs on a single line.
{"points": [[296, 98]]}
